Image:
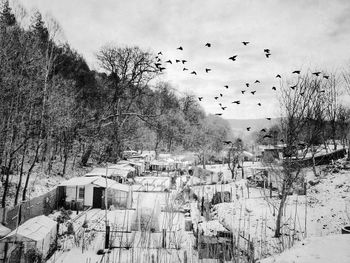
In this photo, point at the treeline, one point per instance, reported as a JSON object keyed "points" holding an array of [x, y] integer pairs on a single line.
{"points": [[53, 107]]}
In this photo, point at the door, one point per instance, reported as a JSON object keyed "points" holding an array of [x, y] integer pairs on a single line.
{"points": [[97, 197]]}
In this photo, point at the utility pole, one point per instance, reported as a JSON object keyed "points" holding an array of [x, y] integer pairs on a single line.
{"points": [[106, 220]]}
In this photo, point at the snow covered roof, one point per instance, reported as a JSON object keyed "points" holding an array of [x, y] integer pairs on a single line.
{"points": [[80, 181], [114, 170], [35, 229], [96, 180]]}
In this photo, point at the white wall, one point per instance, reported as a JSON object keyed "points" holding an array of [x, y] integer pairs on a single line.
{"points": [[88, 194]]}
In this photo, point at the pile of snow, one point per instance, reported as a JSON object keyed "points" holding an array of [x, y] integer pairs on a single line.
{"points": [[211, 228], [326, 249]]}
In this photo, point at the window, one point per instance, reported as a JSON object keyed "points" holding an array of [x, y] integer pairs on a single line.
{"points": [[81, 192]]}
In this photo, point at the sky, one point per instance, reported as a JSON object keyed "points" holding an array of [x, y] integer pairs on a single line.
{"points": [[301, 35]]}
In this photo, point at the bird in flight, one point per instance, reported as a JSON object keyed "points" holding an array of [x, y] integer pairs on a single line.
{"points": [[247, 84], [245, 43], [274, 88], [216, 98], [325, 76], [227, 142], [278, 76], [200, 98], [184, 69], [160, 53], [183, 61], [267, 55], [248, 128], [226, 86], [302, 93], [242, 91], [316, 73], [267, 136], [253, 92], [263, 130], [296, 72], [177, 60], [157, 64], [237, 102], [259, 104], [293, 87], [161, 69], [207, 70], [218, 114], [208, 45], [257, 81], [194, 72], [233, 58], [269, 119], [266, 50], [220, 95], [180, 48], [169, 61], [223, 108]]}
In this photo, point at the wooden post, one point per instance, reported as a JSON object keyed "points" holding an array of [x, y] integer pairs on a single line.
{"points": [[270, 189], [164, 238]]}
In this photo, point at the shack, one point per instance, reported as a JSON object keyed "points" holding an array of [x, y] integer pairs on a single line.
{"points": [[37, 233], [116, 172], [82, 192]]}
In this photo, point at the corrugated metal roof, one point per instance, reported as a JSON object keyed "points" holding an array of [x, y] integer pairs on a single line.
{"points": [[35, 228], [111, 184]]}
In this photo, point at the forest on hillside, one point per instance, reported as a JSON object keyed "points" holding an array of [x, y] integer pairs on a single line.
{"points": [[53, 106]]}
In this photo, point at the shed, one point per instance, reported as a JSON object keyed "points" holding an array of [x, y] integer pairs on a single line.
{"points": [[81, 192], [38, 232], [118, 173]]}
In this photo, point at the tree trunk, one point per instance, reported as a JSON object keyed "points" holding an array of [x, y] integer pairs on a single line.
{"points": [[6, 185], [280, 213], [24, 193], [20, 176], [85, 158]]}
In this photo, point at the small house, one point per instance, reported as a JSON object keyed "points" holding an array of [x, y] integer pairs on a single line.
{"points": [[82, 192], [119, 173], [37, 233]]}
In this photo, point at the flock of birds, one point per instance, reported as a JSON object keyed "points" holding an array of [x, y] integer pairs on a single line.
{"points": [[160, 66]]}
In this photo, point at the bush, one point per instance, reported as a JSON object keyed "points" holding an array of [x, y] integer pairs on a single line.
{"points": [[33, 255]]}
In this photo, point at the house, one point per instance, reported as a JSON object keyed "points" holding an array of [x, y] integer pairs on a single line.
{"points": [[82, 192], [119, 173], [38, 233]]}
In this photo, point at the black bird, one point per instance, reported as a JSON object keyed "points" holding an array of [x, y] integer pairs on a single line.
{"points": [[160, 53], [207, 70], [245, 43], [253, 92], [177, 60], [183, 61], [269, 119], [274, 88], [200, 98], [247, 84], [257, 81], [325, 76], [180, 48], [233, 58], [220, 104], [237, 102], [322, 91], [227, 142], [278, 76], [281, 140], [263, 130], [259, 104], [223, 108], [158, 59], [194, 72], [293, 87], [220, 95], [208, 45], [248, 128], [184, 69], [267, 55], [302, 93], [161, 69], [267, 136], [226, 86], [218, 114], [296, 72], [242, 91], [267, 50], [169, 61], [158, 64], [216, 98], [316, 73]]}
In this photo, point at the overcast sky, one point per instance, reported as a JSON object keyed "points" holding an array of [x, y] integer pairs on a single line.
{"points": [[304, 34]]}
